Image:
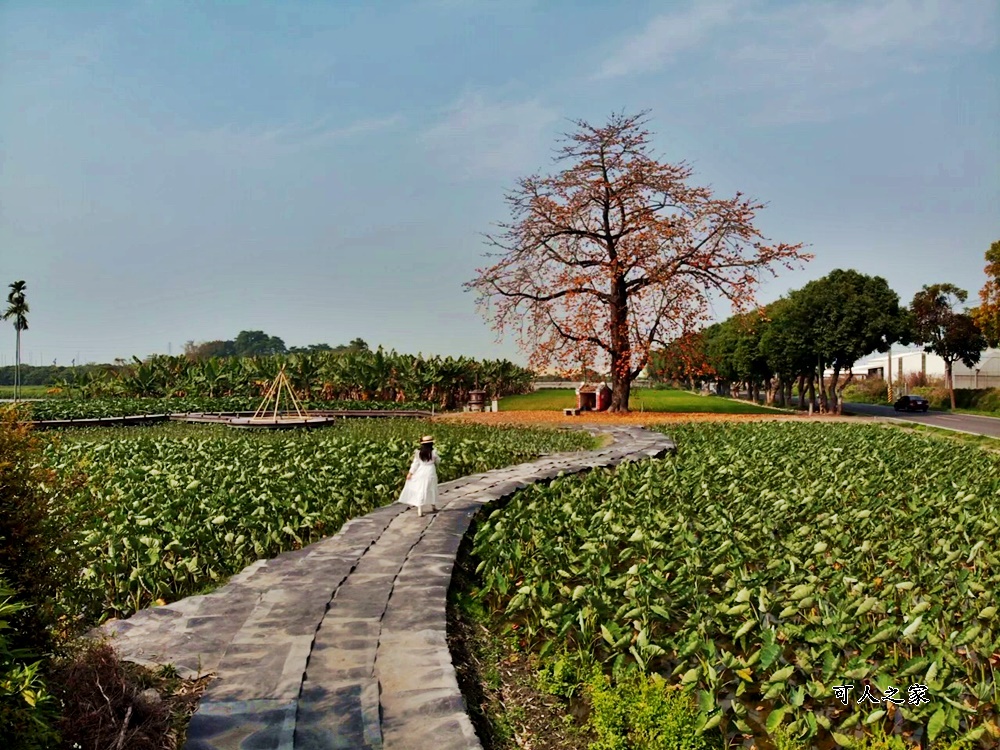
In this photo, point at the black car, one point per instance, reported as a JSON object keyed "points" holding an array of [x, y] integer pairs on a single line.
{"points": [[911, 403]]}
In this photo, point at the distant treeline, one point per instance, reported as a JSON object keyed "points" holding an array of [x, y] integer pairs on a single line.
{"points": [[260, 344], [48, 374], [246, 344]]}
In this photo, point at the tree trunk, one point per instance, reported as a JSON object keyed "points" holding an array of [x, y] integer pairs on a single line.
{"points": [[823, 404], [802, 392], [840, 392], [832, 399], [811, 389], [788, 394], [621, 354], [17, 364], [951, 382], [621, 387]]}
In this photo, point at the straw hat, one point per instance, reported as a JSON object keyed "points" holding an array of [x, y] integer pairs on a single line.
{"points": [[426, 439]]}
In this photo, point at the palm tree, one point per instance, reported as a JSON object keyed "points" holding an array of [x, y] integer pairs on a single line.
{"points": [[17, 308]]}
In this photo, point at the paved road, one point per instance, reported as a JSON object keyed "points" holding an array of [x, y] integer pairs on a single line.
{"points": [[964, 422]]}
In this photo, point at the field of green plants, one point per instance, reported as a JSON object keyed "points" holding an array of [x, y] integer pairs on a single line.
{"points": [[167, 511], [90, 408], [764, 566]]}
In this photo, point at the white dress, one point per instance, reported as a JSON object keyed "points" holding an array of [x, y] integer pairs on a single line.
{"points": [[421, 489]]}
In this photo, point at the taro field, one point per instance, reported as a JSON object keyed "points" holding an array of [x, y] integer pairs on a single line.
{"points": [[93, 408], [815, 580], [164, 512]]}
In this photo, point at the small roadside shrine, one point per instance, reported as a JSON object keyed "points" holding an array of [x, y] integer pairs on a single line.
{"points": [[591, 397]]}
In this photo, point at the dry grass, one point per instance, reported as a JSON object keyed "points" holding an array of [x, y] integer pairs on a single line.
{"points": [[109, 704]]}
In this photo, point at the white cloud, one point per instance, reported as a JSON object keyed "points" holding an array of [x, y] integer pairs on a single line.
{"points": [[288, 136], [809, 61], [908, 24], [897, 34], [819, 62], [666, 36], [479, 137]]}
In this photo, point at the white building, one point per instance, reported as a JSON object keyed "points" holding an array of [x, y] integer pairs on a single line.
{"points": [[986, 373]]}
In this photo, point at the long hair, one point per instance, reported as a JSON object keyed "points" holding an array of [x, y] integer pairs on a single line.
{"points": [[426, 451]]}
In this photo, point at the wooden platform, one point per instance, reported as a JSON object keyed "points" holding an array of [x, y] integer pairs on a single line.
{"points": [[223, 417]]}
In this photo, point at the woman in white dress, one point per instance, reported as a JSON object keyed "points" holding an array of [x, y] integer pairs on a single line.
{"points": [[421, 488]]}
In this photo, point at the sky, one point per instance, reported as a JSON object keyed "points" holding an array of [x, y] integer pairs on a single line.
{"points": [[175, 171]]}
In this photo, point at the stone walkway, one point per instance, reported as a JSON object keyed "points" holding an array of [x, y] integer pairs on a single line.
{"points": [[342, 644]]}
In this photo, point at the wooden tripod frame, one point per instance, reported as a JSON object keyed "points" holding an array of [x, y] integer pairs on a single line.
{"points": [[274, 392]]}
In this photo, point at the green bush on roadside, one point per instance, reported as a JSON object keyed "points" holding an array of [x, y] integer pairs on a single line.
{"points": [[27, 709], [988, 400], [643, 713], [875, 391], [36, 548], [35, 562], [937, 395], [868, 391]]}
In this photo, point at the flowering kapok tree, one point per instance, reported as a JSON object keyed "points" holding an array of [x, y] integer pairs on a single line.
{"points": [[618, 252], [987, 315]]}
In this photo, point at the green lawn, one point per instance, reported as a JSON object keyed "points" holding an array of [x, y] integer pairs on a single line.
{"points": [[983, 441], [27, 391], [641, 399], [974, 412]]}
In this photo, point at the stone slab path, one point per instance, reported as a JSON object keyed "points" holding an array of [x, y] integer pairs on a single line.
{"points": [[342, 645]]}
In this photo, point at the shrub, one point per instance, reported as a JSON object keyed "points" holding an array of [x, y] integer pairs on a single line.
{"points": [[784, 740], [564, 674], [26, 707], [35, 544], [917, 380], [867, 391], [988, 400], [936, 393], [643, 713]]}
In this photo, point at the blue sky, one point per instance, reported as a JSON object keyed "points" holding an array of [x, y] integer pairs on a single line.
{"points": [[323, 170]]}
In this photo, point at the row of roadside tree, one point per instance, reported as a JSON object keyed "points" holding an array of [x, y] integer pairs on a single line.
{"points": [[806, 342]]}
